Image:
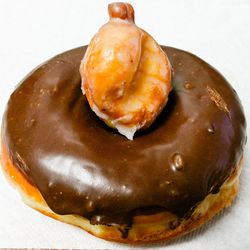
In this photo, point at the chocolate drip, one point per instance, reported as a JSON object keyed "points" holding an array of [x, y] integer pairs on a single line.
{"points": [[81, 166]]}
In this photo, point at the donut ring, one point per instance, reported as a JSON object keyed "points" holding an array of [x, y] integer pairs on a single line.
{"points": [[203, 107]]}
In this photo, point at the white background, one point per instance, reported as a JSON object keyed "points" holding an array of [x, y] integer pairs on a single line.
{"points": [[33, 31]]}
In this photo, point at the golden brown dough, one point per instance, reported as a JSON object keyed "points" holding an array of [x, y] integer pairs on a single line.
{"points": [[126, 76]]}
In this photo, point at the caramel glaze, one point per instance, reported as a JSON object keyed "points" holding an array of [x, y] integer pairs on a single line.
{"points": [[82, 167]]}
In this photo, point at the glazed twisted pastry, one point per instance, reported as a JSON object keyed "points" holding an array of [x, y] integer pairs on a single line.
{"points": [[125, 74]]}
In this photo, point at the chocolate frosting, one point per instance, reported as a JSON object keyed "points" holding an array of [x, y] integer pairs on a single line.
{"points": [[82, 167]]}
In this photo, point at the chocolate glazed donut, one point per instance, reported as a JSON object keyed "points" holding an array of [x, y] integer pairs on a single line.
{"points": [[82, 167]]}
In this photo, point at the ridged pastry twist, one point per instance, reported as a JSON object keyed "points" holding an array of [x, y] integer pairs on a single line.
{"points": [[125, 74]]}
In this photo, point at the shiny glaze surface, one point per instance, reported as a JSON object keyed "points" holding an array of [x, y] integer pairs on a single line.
{"points": [[81, 166]]}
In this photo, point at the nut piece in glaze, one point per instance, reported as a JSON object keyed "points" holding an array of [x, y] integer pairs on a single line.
{"points": [[126, 76]]}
